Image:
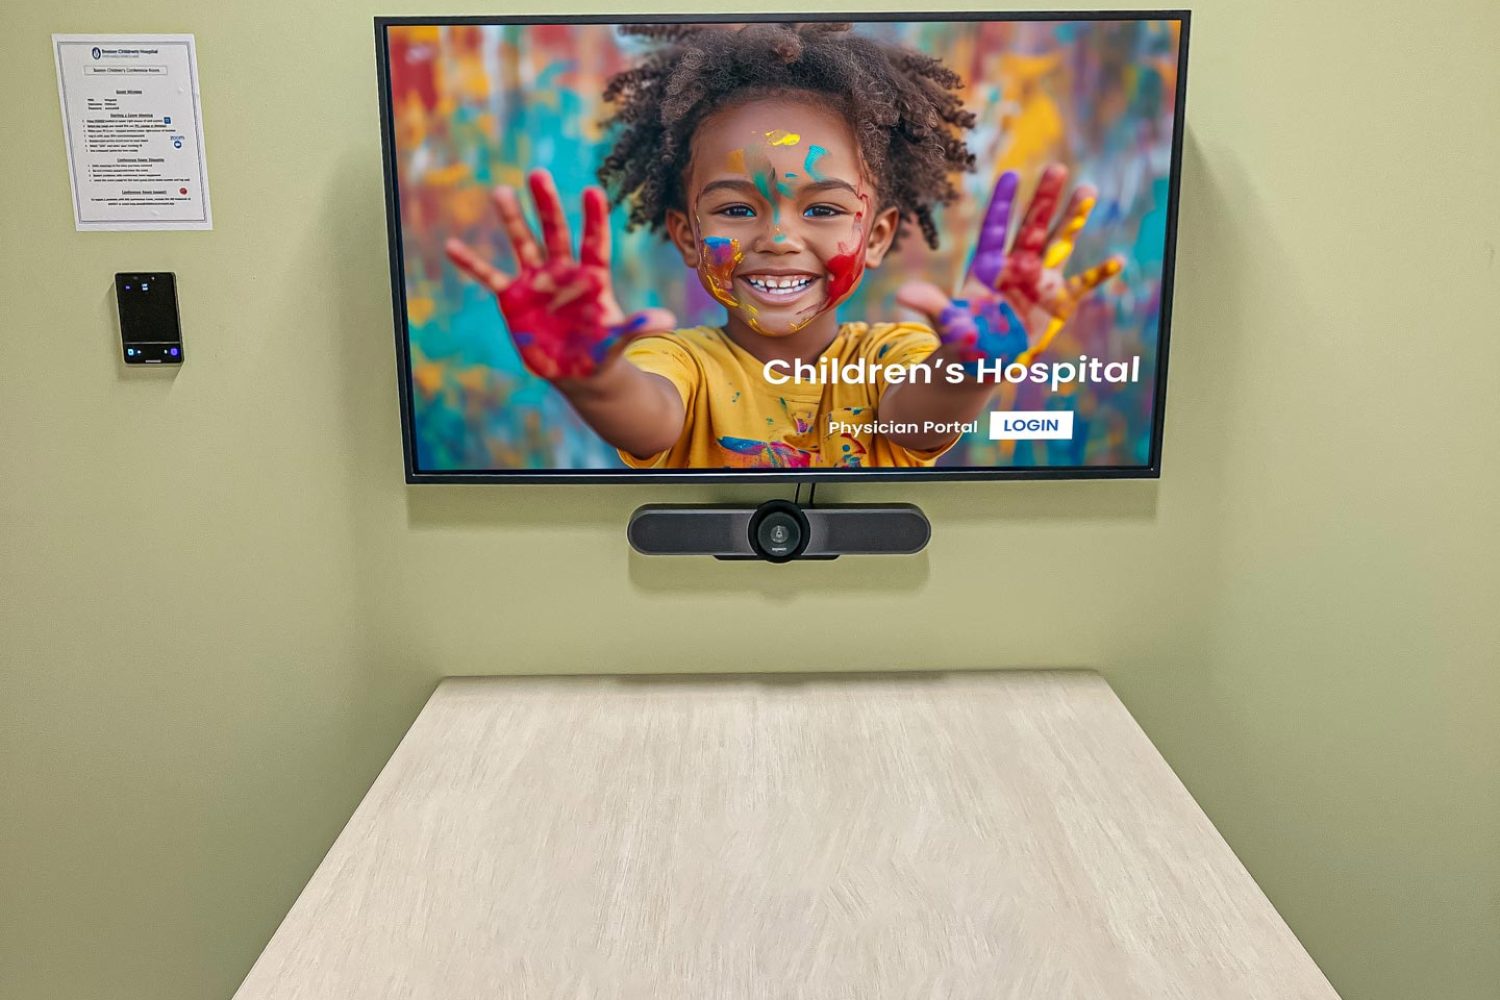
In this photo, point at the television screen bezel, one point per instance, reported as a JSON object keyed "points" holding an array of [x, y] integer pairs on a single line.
{"points": [[416, 476]]}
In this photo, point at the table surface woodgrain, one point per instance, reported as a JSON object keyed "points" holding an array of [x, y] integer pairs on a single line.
{"points": [[984, 835]]}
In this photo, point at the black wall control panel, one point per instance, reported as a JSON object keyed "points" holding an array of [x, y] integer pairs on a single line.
{"points": [[150, 333]]}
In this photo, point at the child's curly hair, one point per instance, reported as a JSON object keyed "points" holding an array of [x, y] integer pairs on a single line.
{"points": [[902, 105]]}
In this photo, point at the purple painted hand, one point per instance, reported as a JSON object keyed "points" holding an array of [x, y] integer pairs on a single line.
{"points": [[982, 330], [1031, 275], [1012, 303]]}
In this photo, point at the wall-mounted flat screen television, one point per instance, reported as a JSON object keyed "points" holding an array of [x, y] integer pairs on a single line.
{"points": [[887, 247]]}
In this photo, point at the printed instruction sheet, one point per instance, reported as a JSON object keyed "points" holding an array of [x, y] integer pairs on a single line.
{"points": [[133, 125]]}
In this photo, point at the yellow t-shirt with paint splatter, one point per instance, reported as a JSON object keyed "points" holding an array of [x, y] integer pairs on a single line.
{"points": [[738, 420]]}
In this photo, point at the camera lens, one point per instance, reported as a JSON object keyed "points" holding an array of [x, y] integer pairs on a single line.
{"points": [[778, 531], [779, 534]]}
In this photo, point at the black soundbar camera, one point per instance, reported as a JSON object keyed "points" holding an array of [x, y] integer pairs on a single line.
{"points": [[778, 530]]}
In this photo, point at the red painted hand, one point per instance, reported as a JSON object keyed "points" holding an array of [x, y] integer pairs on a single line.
{"points": [[561, 311]]}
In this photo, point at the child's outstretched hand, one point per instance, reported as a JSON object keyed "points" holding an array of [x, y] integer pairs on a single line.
{"points": [[561, 311], [1012, 304]]}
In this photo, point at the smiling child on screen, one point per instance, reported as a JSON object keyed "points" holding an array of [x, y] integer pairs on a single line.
{"points": [[781, 160]]}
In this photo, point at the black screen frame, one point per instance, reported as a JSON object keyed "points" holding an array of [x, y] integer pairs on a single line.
{"points": [[416, 476]]}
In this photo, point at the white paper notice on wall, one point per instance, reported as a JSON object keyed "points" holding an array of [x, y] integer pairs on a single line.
{"points": [[133, 126]]}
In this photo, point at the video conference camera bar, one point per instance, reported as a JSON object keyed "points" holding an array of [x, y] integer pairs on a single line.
{"points": [[778, 530]]}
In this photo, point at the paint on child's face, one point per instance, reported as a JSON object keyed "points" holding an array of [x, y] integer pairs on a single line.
{"points": [[814, 153], [717, 259], [718, 256], [847, 266], [769, 187], [781, 214]]}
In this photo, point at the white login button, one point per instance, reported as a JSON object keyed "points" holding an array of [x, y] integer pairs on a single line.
{"points": [[1016, 425]]}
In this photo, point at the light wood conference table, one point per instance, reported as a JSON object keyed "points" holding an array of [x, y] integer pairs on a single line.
{"points": [[984, 835]]}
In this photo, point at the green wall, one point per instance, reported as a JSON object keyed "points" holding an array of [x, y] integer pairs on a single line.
{"points": [[220, 607]]}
